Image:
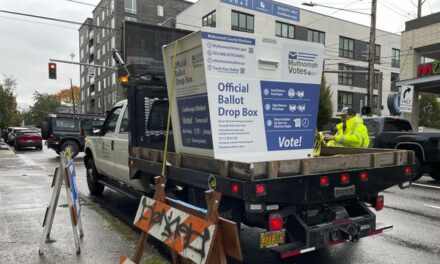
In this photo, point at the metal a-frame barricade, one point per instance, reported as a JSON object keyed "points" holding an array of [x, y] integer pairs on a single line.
{"points": [[64, 172], [193, 236]]}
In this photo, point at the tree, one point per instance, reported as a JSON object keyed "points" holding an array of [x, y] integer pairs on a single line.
{"points": [[65, 96], [44, 104], [325, 110], [429, 111], [9, 116]]}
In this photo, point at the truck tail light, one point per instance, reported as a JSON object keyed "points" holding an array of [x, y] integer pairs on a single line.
{"points": [[408, 171], [364, 176], [323, 181], [260, 189], [234, 188], [345, 178], [379, 202], [276, 221]]}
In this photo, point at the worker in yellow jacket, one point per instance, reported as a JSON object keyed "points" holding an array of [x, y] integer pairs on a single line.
{"points": [[351, 131]]}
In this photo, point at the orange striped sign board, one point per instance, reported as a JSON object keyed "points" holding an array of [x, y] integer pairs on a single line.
{"points": [[190, 236]]}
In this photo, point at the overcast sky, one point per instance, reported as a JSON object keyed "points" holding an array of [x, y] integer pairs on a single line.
{"points": [[27, 44]]}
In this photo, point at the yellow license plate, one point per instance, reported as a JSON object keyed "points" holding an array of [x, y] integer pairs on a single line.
{"points": [[272, 239]]}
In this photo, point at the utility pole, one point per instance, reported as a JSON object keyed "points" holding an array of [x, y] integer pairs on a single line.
{"points": [[372, 55], [419, 8], [73, 97]]}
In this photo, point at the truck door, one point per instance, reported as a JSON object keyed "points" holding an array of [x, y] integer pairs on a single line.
{"points": [[106, 153], [121, 148], [122, 170]]}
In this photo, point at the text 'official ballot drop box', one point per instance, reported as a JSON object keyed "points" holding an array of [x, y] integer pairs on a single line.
{"points": [[243, 97]]}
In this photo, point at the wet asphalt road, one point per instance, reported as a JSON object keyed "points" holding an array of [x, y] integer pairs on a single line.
{"points": [[414, 212]]}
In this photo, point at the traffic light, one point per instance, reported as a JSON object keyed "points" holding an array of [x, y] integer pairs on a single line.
{"points": [[52, 70]]}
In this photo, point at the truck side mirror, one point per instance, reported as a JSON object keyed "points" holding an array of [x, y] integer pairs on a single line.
{"points": [[97, 130]]}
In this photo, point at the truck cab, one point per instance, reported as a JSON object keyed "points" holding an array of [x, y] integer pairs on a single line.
{"points": [[106, 151]]}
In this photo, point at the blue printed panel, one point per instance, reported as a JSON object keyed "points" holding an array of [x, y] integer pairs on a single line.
{"points": [[268, 7], [241, 3], [227, 38], [285, 11], [290, 111], [195, 124]]}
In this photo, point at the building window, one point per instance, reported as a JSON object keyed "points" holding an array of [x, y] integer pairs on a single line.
{"points": [[209, 20], [345, 99], [376, 53], [112, 23], [346, 47], [113, 43], [160, 10], [394, 79], [284, 30], [242, 22], [395, 58], [315, 36], [130, 6], [114, 96], [345, 78]]}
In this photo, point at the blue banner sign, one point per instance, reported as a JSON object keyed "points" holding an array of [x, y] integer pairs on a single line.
{"points": [[268, 7]]}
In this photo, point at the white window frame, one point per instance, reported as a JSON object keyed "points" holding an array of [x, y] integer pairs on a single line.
{"points": [[132, 9], [160, 11]]}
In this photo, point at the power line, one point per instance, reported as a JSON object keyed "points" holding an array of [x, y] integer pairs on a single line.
{"points": [[329, 15], [394, 11], [92, 5], [53, 19], [36, 22]]}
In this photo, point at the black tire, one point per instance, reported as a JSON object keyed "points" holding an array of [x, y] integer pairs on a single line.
{"points": [[40, 148], [74, 147], [17, 148], [94, 186], [418, 170]]}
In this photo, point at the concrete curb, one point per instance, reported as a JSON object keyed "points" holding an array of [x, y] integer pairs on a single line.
{"points": [[5, 150]]}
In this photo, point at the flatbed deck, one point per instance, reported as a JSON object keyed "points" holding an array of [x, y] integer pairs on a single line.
{"points": [[331, 160]]}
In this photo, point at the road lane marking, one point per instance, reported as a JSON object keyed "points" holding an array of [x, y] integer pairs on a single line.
{"points": [[426, 185], [432, 206]]}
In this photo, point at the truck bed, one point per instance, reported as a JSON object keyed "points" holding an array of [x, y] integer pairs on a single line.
{"points": [[331, 160]]}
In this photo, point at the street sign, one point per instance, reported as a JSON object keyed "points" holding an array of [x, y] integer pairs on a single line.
{"points": [[92, 72], [406, 98]]}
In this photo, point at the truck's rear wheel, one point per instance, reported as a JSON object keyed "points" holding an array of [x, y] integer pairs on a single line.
{"points": [[95, 187], [72, 145]]}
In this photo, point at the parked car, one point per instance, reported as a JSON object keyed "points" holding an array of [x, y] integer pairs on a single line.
{"points": [[12, 134], [28, 138], [62, 131]]}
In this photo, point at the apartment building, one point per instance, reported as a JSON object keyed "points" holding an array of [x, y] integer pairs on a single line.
{"points": [[102, 32]]}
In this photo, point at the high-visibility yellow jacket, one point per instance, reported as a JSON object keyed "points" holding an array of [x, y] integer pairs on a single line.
{"points": [[354, 135]]}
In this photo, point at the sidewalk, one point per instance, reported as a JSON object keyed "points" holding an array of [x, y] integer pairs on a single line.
{"points": [[23, 201], [5, 150]]}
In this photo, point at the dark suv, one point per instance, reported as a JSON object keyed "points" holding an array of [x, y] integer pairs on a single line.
{"points": [[62, 131]]}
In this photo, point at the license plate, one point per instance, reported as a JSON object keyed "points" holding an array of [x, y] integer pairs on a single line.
{"points": [[272, 239], [345, 191]]}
